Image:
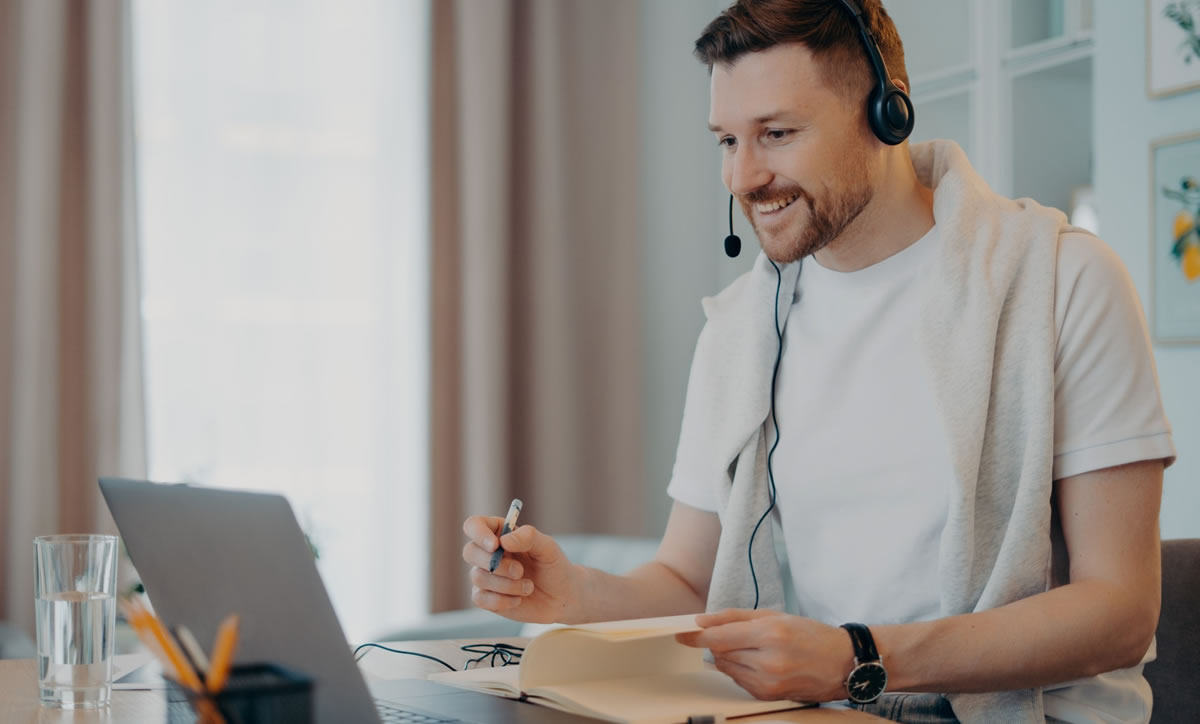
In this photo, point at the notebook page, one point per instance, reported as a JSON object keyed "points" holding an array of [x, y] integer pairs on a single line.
{"points": [[501, 680], [568, 655], [639, 627], [661, 699]]}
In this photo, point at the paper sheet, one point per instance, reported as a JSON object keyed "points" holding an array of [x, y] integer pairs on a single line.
{"points": [[136, 672]]}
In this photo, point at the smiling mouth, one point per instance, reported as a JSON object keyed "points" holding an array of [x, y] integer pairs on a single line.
{"points": [[773, 206]]}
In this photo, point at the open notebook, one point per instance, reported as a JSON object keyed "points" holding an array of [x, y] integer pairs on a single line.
{"points": [[623, 671]]}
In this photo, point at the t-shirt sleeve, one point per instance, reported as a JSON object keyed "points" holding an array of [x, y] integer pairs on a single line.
{"points": [[688, 485], [1107, 406], [683, 489]]}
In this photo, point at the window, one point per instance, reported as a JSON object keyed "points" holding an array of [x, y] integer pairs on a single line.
{"points": [[282, 196]]}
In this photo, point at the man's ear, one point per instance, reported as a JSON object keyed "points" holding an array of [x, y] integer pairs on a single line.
{"points": [[900, 84]]}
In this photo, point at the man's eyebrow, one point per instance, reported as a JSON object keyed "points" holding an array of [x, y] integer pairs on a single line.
{"points": [[760, 121]]}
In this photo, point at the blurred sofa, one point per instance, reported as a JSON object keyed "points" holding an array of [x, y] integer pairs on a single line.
{"points": [[14, 643]]}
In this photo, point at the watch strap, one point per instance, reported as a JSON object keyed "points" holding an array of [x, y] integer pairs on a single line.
{"points": [[863, 641]]}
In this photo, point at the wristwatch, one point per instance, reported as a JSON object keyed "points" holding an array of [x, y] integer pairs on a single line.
{"points": [[868, 678]]}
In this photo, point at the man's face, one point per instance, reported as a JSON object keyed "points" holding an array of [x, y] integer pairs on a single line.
{"points": [[795, 152]]}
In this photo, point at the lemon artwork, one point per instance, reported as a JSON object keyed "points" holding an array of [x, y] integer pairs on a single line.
{"points": [[1186, 229]]}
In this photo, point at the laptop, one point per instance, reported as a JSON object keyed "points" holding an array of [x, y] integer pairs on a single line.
{"points": [[203, 553]]}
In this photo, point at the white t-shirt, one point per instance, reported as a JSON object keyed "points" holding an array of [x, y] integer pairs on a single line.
{"points": [[863, 465]]}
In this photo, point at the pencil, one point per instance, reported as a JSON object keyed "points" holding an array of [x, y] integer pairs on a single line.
{"points": [[164, 645], [222, 653]]}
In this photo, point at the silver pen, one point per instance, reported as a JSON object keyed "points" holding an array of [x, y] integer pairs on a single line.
{"points": [[510, 523]]}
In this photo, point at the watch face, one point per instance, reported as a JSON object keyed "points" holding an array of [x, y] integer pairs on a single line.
{"points": [[866, 682]]}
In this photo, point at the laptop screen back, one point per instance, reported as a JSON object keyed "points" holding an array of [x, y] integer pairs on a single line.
{"points": [[204, 553]]}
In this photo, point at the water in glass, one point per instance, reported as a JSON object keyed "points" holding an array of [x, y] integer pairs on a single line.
{"points": [[75, 648]]}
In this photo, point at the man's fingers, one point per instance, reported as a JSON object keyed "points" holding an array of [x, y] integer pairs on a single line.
{"points": [[478, 557], [509, 568], [529, 540], [746, 676], [730, 615], [485, 581], [491, 601], [483, 529], [729, 630], [732, 664], [746, 658], [739, 672], [725, 637]]}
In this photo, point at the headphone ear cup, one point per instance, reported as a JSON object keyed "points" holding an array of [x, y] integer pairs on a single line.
{"points": [[890, 114]]}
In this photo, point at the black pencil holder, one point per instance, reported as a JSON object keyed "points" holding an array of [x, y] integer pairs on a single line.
{"points": [[254, 694]]}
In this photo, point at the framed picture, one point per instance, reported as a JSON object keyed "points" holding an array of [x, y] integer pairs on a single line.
{"points": [[1172, 46], [1175, 240]]}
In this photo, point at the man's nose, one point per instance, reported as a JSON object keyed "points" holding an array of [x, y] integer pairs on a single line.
{"points": [[747, 171]]}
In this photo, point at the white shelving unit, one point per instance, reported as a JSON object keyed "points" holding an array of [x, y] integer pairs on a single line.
{"points": [[1011, 82]]}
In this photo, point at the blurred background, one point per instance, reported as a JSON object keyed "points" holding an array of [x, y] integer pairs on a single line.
{"points": [[403, 260]]}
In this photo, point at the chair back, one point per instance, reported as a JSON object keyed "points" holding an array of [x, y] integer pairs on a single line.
{"points": [[1175, 675]]}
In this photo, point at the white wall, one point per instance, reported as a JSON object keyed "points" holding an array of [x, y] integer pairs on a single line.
{"points": [[1052, 134], [683, 224], [1126, 121]]}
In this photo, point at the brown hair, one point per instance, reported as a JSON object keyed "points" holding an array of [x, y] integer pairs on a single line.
{"points": [[825, 27]]}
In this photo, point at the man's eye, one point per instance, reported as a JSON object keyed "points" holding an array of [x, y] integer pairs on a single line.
{"points": [[777, 134], [726, 142]]}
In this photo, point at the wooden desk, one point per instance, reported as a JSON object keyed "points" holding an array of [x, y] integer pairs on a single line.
{"points": [[19, 695], [19, 701]]}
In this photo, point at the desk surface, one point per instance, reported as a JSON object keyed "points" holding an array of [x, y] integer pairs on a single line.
{"points": [[19, 696]]}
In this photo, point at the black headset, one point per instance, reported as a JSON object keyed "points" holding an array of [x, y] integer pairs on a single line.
{"points": [[889, 109]]}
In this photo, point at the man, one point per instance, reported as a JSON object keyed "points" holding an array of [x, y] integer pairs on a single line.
{"points": [[944, 402]]}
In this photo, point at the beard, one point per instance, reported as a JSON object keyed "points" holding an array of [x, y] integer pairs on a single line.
{"points": [[828, 216]]}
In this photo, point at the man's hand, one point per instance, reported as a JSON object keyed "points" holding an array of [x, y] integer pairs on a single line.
{"points": [[534, 581], [774, 655]]}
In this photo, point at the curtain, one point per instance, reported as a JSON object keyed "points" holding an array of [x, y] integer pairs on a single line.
{"points": [[536, 375], [70, 397]]}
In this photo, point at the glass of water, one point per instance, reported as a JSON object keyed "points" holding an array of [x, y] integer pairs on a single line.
{"points": [[76, 618]]}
